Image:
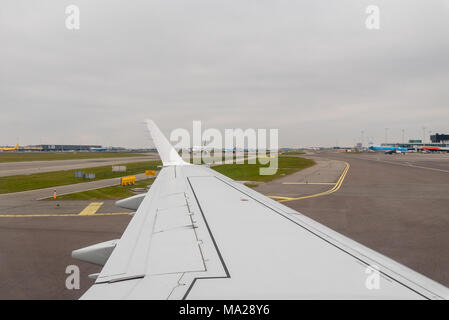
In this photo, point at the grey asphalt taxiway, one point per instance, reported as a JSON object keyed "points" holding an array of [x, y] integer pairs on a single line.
{"points": [[394, 204], [30, 167]]}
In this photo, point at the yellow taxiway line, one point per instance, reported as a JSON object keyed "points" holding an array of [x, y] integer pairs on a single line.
{"points": [[59, 215], [334, 189], [91, 209], [279, 197]]}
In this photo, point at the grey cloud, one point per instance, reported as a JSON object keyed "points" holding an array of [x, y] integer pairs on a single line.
{"points": [[309, 68]]}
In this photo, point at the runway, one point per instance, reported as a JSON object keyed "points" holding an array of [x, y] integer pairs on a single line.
{"points": [[30, 167], [394, 204]]}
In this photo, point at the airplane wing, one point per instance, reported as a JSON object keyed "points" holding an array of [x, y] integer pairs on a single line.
{"points": [[200, 235]]}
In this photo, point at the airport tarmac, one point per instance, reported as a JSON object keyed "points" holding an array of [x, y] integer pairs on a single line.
{"points": [[35, 252], [394, 204], [25, 202], [30, 167], [310, 181]]}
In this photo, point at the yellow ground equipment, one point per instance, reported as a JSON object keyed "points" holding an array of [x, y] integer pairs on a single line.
{"points": [[150, 172], [126, 181]]}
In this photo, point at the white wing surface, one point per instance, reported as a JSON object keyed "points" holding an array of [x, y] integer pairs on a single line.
{"points": [[200, 235]]}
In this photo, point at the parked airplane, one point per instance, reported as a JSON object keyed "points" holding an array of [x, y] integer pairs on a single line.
{"points": [[98, 149], [433, 149], [10, 148], [198, 234], [388, 150]]}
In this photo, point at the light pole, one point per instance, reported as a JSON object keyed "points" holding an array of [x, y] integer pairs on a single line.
{"points": [[361, 137], [423, 134]]}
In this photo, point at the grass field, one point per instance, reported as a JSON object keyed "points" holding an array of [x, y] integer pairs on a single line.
{"points": [[107, 193], [250, 172], [60, 178], [45, 156], [291, 153], [251, 185], [211, 158], [247, 172]]}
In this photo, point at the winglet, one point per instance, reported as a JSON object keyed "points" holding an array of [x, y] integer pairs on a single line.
{"points": [[168, 154]]}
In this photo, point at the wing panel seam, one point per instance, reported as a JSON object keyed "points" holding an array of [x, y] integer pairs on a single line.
{"points": [[213, 241]]}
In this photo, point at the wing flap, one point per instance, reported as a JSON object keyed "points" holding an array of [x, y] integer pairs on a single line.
{"points": [[160, 238], [175, 251], [150, 287]]}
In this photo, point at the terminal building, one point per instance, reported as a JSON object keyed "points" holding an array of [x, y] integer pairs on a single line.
{"points": [[437, 140], [59, 147]]}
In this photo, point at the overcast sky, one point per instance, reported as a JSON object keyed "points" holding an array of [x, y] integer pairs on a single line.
{"points": [[309, 68]]}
